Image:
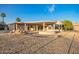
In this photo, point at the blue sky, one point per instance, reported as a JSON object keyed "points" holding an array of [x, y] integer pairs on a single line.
{"points": [[40, 12]]}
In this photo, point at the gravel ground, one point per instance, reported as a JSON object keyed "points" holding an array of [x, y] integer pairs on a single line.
{"points": [[65, 43]]}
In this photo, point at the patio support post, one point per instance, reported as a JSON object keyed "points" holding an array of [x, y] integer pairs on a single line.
{"points": [[54, 26], [26, 26], [44, 26], [36, 27]]}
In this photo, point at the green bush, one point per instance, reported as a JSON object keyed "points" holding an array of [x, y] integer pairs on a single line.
{"points": [[67, 25]]}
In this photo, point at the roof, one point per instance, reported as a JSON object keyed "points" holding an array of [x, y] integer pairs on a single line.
{"points": [[37, 22], [1, 23]]}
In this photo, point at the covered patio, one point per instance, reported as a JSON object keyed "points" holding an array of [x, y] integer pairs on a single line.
{"points": [[38, 26]]}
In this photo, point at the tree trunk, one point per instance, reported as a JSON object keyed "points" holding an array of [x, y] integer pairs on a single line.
{"points": [[3, 20]]}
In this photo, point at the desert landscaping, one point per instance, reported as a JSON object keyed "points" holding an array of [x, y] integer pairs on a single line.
{"points": [[58, 43]]}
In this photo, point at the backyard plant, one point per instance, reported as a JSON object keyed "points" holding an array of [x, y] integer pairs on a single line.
{"points": [[68, 25]]}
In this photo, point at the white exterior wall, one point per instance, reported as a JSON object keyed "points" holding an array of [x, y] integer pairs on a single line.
{"points": [[76, 27]]}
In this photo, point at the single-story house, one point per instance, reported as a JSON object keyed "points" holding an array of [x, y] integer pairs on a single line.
{"points": [[3, 26], [40, 26]]}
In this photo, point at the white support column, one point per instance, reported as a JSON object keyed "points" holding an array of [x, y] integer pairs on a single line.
{"points": [[44, 26], [36, 27], [53, 27], [26, 26]]}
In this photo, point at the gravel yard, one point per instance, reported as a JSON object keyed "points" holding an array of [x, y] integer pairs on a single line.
{"points": [[67, 43]]}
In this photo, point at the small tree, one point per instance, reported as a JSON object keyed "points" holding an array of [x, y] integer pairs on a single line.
{"points": [[68, 25], [3, 15], [18, 19]]}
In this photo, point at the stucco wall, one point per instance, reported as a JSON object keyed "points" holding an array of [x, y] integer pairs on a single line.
{"points": [[11, 26], [76, 26]]}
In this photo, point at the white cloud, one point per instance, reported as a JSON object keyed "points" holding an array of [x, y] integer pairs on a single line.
{"points": [[51, 8]]}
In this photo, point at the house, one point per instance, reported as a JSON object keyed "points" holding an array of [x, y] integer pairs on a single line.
{"points": [[12, 26], [43, 27], [3, 26]]}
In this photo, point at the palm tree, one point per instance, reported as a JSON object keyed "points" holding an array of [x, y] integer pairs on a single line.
{"points": [[18, 19], [3, 15]]}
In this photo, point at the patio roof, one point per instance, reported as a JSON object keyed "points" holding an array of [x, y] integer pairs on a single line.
{"points": [[36, 22]]}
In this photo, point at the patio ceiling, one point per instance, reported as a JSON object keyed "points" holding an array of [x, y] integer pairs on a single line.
{"points": [[36, 23]]}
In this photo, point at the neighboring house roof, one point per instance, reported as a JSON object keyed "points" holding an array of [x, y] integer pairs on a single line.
{"points": [[1, 23]]}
